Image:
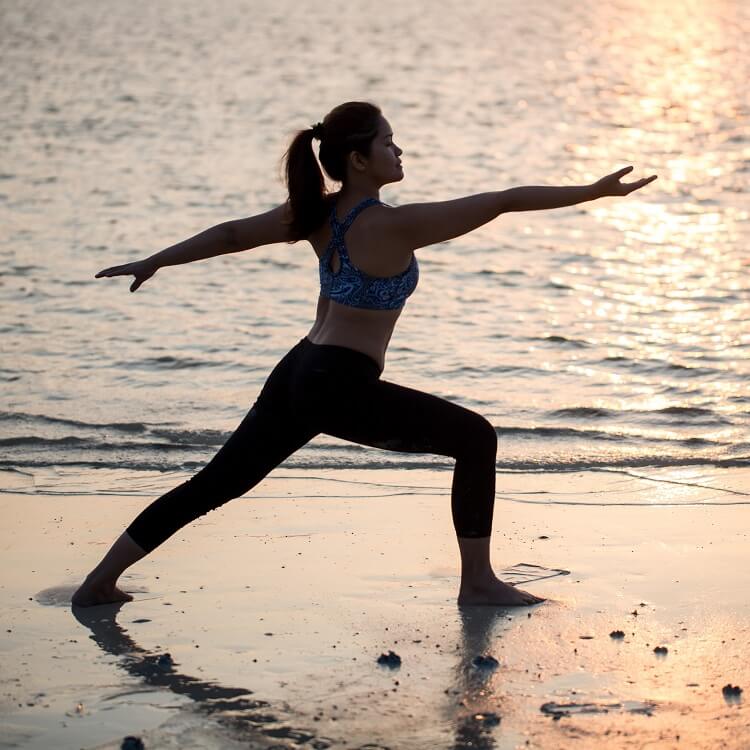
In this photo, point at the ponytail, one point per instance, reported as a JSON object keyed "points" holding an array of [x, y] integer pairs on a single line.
{"points": [[307, 191]]}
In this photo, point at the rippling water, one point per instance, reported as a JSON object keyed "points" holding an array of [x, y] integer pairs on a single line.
{"points": [[612, 333]]}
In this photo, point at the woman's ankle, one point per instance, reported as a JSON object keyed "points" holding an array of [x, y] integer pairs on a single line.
{"points": [[123, 553], [476, 569], [99, 581]]}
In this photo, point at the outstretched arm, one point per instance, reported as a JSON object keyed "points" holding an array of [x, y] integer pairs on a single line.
{"points": [[535, 198], [228, 237], [421, 224]]}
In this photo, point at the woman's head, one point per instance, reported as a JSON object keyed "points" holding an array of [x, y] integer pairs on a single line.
{"points": [[347, 135], [347, 128]]}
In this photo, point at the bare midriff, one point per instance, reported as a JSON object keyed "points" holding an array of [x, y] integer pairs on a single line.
{"points": [[366, 331]]}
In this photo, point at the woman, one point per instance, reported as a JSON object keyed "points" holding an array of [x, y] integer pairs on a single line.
{"points": [[330, 381]]}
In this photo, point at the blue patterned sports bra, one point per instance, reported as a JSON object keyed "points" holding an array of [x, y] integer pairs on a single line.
{"points": [[352, 287]]}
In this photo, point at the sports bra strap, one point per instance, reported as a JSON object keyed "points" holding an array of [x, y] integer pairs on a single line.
{"points": [[339, 229], [344, 225]]}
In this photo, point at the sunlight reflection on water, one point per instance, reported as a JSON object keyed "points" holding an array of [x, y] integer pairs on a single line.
{"points": [[122, 143]]}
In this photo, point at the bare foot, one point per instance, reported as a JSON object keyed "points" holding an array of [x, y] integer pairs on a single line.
{"points": [[496, 593], [90, 594]]}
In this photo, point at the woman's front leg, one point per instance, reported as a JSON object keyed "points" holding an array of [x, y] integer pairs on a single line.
{"points": [[393, 417]]}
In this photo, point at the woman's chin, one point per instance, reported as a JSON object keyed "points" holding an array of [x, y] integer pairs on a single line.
{"points": [[397, 177]]}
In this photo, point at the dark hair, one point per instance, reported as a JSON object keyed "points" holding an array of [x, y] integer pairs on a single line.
{"points": [[349, 127]]}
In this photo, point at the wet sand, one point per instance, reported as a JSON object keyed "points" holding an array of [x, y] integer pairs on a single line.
{"points": [[261, 624]]}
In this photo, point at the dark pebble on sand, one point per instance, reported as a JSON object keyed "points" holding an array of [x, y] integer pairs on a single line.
{"points": [[731, 690], [661, 650], [543, 537], [132, 743], [485, 662], [487, 720], [617, 634], [165, 660], [142, 619], [391, 659]]}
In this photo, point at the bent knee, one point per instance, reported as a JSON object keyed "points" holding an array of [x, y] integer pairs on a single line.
{"points": [[488, 435], [480, 438]]}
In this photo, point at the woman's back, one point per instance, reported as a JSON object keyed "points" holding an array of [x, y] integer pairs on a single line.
{"points": [[361, 301]]}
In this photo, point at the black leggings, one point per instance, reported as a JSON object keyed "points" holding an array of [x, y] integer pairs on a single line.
{"points": [[337, 391]]}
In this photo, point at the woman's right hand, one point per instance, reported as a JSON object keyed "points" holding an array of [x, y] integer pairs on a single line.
{"points": [[141, 269]]}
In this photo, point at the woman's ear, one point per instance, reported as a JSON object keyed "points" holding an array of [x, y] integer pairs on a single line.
{"points": [[358, 162]]}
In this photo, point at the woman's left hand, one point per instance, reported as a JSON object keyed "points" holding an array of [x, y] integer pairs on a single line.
{"points": [[611, 185]]}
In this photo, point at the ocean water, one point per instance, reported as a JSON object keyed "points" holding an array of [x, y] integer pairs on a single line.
{"points": [[610, 334]]}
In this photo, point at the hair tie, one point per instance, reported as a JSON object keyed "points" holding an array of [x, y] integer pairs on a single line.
{"points": [[317, 131]]}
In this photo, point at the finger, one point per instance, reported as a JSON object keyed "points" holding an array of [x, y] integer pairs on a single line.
{"points": [[631, 186], [622, 172], [134, 285], [111, 271]]}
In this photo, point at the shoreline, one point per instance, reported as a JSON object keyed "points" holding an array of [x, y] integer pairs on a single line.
{"points": [[274, 614]]}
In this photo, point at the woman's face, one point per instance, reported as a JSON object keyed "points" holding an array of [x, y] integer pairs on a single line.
{"points": [[384, 162]]}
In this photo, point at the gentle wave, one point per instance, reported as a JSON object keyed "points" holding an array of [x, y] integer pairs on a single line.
{"points": [[79, 443], [689, 411], [570, 433], [570, 464], [656, 366], [44, 440], [671, 415], [582, 412], [170, 363], [574, 343], [12, 416], [207, 437], [576, 412]]}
